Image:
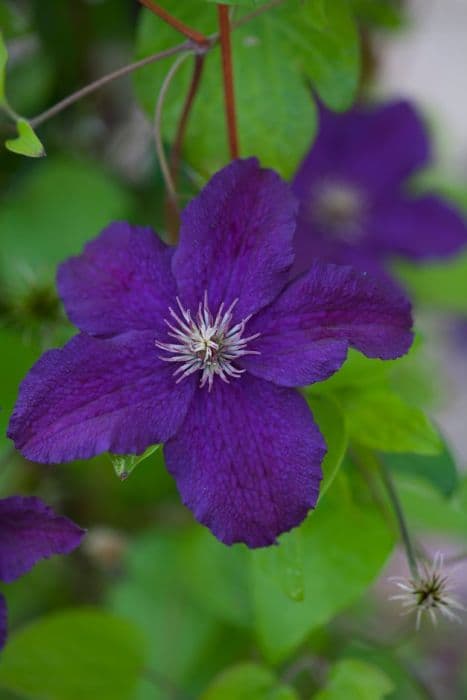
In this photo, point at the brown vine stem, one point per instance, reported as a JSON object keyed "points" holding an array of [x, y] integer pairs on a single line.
{"points": [[126, 70], [100, 82], [190, 33], [227, 72]]}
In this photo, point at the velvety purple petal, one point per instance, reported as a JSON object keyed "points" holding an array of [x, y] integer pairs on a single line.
{"points": [[247, 460], [3, 622], [236, 239], [305, 332], [421, 228], [31, 531], [375, 147], [122, 281], [312, 244], [96, 395]]}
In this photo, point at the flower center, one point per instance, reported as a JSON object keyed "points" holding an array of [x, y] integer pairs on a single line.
{"points": [[206, 343], [338, 208]]}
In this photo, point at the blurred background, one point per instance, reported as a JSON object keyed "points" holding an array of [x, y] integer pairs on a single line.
{"points": [[144, 559]]}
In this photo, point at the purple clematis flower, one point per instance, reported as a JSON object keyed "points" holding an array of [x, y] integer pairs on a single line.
{"points": [[355, 208], [200, 347], [30, 531]]}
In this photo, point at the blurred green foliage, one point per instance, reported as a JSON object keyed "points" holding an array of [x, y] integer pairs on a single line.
{"points": [[174, 613]]}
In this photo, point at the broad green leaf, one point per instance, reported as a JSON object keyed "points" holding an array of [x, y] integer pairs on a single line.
{"points": [[352, 678], [357, 373], [125, 464], [17, 358], [248, 682], [245, 3], [275, 112], [72, 655], [435, 180], [427, 509], [392, 664], [3, 62], [330, 419], [26, 143], [442, 285], [380, 13], [328, 44], [221, 570], [382, 420], [273, 54], [440, 470], [345, 544], [284, 564], [60, 205], [153, 594]]}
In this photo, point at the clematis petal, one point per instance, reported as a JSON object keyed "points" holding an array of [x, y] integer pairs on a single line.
{"points": [[31, 531], [3, 622], [96, 395], [236, 239], [420, 228], [374, 147], [247, 460], [305, 332], [122, 281]]}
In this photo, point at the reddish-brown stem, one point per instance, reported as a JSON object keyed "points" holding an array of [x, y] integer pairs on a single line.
{"points": [[227, 71], [190, 33], [172, 212]]}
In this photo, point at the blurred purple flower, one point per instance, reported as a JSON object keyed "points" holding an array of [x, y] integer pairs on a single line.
{"points": [[355, 206], [200, 347], [30, 531]]}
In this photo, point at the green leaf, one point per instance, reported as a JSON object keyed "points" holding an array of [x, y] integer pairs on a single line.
{"points": [[326, 38], [352, 678], [248, 681], [284, 564], [345, 545], [272, 55], [331, 423], [59, 207], [73, 655], [3, 62], [245, 3], [442, 285], [17, 358], [382, 13], [26, 143], [221, 570], [427, 509], [440, 470], [153, 594], [125, 464], [382, 420]]}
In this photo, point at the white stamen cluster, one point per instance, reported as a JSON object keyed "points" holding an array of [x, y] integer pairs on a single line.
{"points": [[206, 343], [428, 594]]}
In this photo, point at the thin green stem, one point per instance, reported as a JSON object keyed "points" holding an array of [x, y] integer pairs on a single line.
{"points": [[5, 107], [167, 175], [171, 209], [400, 517]]}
